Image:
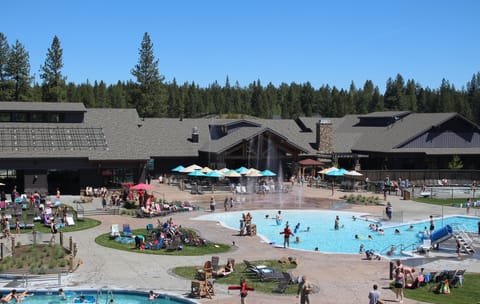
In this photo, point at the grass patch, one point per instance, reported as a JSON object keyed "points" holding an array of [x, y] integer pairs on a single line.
{"points": [[440, 201], [469, 293], [188, 250], [190, 272], [86, 223]]}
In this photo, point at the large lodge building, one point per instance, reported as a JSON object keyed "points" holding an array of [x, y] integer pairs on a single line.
{"points": [[48, 145]]}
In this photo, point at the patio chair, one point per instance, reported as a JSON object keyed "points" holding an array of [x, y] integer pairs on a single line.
{"points": [[270, 274], [215, 262], [282, 286], [457, 278], [126, 231], [114, 231]]}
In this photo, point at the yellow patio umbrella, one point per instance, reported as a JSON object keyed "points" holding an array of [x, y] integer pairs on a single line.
{"points": [[206, 169], [191, 168], [327, 170]]}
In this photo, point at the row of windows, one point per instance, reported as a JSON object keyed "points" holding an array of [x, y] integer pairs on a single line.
{"points": [[32, 117]]}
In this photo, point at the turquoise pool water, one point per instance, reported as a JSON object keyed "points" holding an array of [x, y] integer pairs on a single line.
{"points": [[323, 236], [120, 297]]}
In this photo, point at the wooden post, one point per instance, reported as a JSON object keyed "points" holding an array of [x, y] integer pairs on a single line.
{"points": [[34, 233], [1, 253], [13, 244], [75, 249], [61, 238], [70, 244]]}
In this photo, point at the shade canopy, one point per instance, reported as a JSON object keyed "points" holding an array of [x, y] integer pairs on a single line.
{"points": [[141, 186], [223, 170], [253, 173], [206, 169], [196, 173], [178, 168], [338, 172], [191, 168], [310, 162], [231, 173], [267, 173], [326, 170], [353, 173], [214, 173], [241, 170]]}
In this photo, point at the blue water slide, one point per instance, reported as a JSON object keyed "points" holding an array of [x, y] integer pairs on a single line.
{"points": [[441, 234]]}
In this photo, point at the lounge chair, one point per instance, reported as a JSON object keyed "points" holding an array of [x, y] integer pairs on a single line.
{"points": [[282, 286], [251, 267], [126, 231], [114, 231], [457, 278], [270, 274], [215, 262]]}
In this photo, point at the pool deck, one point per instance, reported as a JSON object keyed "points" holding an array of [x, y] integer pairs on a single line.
{"points": [[342, 278]]}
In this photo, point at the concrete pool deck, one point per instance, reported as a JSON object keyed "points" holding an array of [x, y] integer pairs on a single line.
{"points": [[341, 278]]}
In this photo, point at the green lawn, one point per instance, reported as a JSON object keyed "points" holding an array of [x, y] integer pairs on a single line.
{"points": [[86, 223], [233, 278], [468, 294], [439, 201], [210, 248]]}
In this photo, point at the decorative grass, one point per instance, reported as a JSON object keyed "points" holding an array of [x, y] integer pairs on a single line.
{"points": [[187, 250], [190, 272]]}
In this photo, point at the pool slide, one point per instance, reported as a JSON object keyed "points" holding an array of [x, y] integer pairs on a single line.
{"points": [[441, 235]]}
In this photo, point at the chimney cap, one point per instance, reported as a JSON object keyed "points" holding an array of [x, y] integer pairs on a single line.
{"points": [[325, 121]]}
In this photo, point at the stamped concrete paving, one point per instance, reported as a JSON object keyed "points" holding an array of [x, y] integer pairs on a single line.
{"points": [[341, 278]]}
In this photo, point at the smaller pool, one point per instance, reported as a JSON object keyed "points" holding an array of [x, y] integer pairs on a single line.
{"points": [[94, 296]]}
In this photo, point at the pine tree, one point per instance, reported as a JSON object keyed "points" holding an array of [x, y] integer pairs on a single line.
{"points": [[148, 99], [18, 70], [6, 86], [53, 85]]}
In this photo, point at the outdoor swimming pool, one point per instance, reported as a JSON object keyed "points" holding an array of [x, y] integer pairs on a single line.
{"points": [[323, 235], [104, 296]]}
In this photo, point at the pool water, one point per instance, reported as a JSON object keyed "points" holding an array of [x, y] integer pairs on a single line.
{"points": [[323, 236], [120, 297]]}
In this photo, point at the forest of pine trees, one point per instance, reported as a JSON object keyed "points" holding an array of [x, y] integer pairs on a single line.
{"points": [[152, 97]]}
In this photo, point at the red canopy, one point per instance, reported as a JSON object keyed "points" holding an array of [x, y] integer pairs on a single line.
{"points": [[142, 186], [310, 162]]}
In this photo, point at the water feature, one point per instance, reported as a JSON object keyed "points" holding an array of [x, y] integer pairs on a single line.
{"points": [[323, 235]]}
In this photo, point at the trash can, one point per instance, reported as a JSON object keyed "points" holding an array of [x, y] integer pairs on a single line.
{"points": [[406, 194]]}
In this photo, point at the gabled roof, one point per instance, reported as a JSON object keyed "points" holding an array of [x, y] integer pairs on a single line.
{"points": [[388, 139], [238, 136]]}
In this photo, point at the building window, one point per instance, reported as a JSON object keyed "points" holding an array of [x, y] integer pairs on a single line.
{"points": [[38, 117], [5, 117], [20, 117]]}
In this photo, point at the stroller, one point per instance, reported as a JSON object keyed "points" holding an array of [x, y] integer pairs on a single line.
{"points": [[371, 255]]}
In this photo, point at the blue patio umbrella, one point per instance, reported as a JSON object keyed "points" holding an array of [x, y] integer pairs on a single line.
{"points": [[338, 172], [267, 173], [241, 170], [196, 173], [178, 168], [214, 174]]}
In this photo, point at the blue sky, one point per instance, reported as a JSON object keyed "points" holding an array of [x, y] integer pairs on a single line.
{"points": [[323, 42]]}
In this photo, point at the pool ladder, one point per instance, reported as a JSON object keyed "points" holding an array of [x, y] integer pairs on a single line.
{"points": [[109, 296]]}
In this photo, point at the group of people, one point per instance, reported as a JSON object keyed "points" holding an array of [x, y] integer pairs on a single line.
{"points": [[13, 295]]}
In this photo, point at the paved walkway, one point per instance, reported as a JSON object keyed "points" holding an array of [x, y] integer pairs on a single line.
{"points": [[341, 278]]}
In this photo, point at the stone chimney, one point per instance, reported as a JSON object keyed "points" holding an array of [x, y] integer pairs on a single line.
{"points": [[324, 139], [195, 134]]}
